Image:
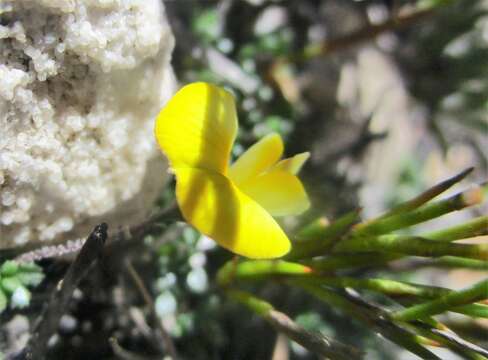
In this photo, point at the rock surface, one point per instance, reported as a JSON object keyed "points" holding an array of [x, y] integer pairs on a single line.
{"points": [[80, 85]]}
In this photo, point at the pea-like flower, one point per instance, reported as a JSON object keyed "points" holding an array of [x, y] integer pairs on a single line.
{"points": [[234, 205]]}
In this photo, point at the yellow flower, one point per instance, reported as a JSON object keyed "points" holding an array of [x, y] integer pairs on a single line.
{"points": [[233, 205]]}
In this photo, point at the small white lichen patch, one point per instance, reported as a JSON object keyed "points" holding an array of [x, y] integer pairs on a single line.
{"points": [[80, 85]]}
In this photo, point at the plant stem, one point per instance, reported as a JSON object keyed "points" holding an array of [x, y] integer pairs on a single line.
{"points": [[314, 342], [323, 238], [384, 286], [465, 349], [478, 291], [344, 261], [256, 269], [395, 288], [460, 262], [313, 230], [424, 213], [472, 310], [413, 245], [475, 227], [258, 306], [375, 321]]}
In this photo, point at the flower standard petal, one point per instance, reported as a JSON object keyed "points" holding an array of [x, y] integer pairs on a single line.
{"points": [[197, 127], [258, 158], [217, 208], [278, 191]]}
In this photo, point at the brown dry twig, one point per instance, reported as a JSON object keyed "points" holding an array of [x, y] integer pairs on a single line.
{"points": [[163, 334], [124, 354], [314, 342], [369, 32]]}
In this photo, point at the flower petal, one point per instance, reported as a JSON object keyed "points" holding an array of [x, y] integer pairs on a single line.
{"points": [[279, 192], [292, 164], [217, 208], [197, 127], [256, 159]]}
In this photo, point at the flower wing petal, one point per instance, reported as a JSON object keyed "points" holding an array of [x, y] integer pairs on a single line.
{"points": [[217, 208], [279, 192], [292, 164], [197, 127], [259, 157]]}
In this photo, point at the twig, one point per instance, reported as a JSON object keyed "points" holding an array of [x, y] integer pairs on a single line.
{"points": [[315, 342], [166, 338], [449, 339], [49, 320], [461, 342], [427, 330], [372, 316], [134, 234], [124, 354]]}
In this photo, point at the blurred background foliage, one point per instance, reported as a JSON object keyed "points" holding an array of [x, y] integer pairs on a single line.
{"points": [[387, 107]]}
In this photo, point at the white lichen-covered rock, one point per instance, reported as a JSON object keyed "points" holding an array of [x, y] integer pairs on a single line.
{"points": [[80, 85]]}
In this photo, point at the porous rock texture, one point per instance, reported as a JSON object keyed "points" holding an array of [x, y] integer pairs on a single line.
{"points": [[80, 85]]}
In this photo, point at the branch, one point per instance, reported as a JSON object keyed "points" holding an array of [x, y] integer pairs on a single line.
{"points": [[49, 320]]}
